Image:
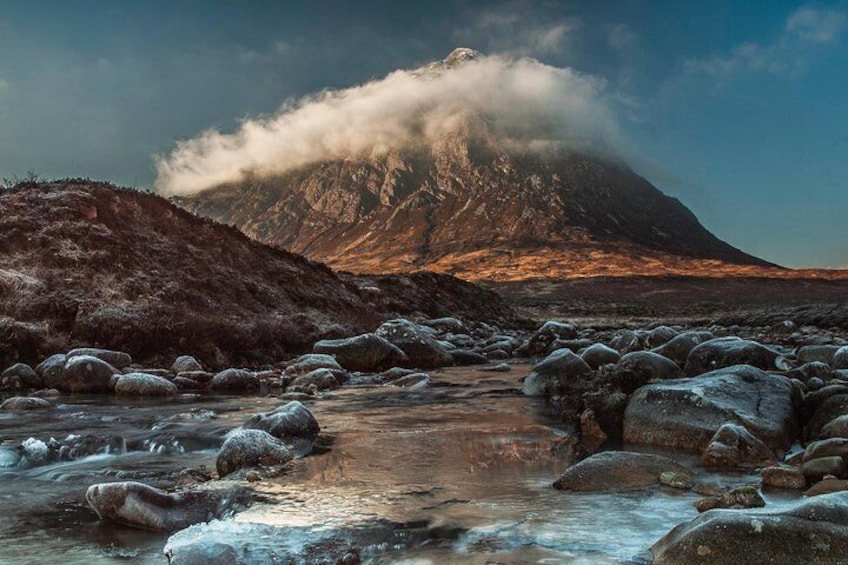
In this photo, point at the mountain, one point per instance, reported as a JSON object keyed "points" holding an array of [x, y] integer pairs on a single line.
{"points": [[473, 204], [86, 263]]}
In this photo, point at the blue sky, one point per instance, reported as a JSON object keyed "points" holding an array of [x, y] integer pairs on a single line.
{"points": [[740, 109]]}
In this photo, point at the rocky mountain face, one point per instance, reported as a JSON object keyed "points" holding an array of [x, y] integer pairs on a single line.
{"points": [[87, 264], [472, 206]]}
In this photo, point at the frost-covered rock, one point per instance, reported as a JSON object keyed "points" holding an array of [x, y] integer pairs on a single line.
{"points": [[85, 373], [599, 354], [141, 384], [185, 363], [726, 352], [422, 350], [117, 359], [235, 380], [251, 448], [556, 374], [293, 423], [311, 362], [23, 404]]}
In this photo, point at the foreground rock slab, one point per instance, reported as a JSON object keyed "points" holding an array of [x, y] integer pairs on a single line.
{"points": [[614, 471], [684, 414], [814, 531], [142, 506]]}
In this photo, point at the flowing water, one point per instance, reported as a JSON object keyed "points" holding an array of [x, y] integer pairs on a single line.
{"points": [[459, 472]]}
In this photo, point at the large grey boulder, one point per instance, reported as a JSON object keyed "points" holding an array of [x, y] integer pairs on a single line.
{"points": [[142, 384], [84, 373], [52, 370], [813, 531], [19, 376], [820, 353], [733, 447], [420, 347], [235, 380], [641, 367], [311, 362], [684, 414], [366, 352], [840, 358], [678, 348], [251, 448], [598, 354], [293, 423], [141, 506], [726, 352], [556, 374], [186, 363], [117, 359], [615, 471]]}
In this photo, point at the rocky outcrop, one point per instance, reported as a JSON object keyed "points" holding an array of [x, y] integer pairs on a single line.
{"points": [[814, 531]]}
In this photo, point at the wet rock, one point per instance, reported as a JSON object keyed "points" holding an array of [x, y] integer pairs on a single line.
{"points": [[816, 469], [830, 403], [608, 408], [685, 414], [422, 350], [599, 354], [784, 477], [838, 427], [320, 379], [51, 370], [35, 450], [661, 335], [311, 362], [463, 358], [541, 340], [555, 374], [141, 506], [235, 380], [826, 448], [23, 404], [414, 381], [734, 537], [678, 348], [676, 480], [726, 352], [117, 359], [9, 458], [142, 384], [592, 435], [733, 446], [19, 376], [740, 497], [499, 368], [641, 367], [188, 384], [185, 363], [827, 485], [840, 358], [366, 352], [614, 471], [627, 341], [292, 423], [497, 355], [820, 353], [84, 373], [812, 370], [251, 448]]}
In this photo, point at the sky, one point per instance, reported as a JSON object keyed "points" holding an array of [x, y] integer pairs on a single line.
{"points": [[737, 108]]}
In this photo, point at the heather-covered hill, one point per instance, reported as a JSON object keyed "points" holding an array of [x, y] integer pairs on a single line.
{"points": [[87, 263]]}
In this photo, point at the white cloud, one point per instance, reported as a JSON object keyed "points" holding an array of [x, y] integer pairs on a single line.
{"points": [[785, 56], [527, 102], [813, 25], [518, 28]]}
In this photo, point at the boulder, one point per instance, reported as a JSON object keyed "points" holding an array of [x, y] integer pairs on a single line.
{"points": [[813, 531], [740, 497], [840, 358], [816, 469], [185, 363], [235, 380], [366, 352], [414, 381], [827, 486], [19, 376], [251, 448], [292, 423], [422, 350], [142, 384], [661, 335], [678, 348], [826, 448], [51, 370], [320, 379], [541, 340], [117, 359], [820, 353], [832, 405], [463, 358], [24, 404], [733, 446], [684, 414], [84, 373], [838, 427], [638, 368], [784, 477], [598, 354], [311, 362], [627, 341], [614, 471], [141, 506], [555, 374], [726, 352], [445, 325]]}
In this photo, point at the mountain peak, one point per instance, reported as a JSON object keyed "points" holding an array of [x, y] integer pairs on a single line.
{"points": [[461, 55]]}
